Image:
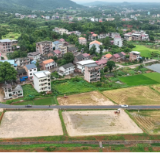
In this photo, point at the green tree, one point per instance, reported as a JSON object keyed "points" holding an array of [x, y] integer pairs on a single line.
{"points": [[101, 49], [7, 72], [93, 50], [68, 57], [110, 65]]}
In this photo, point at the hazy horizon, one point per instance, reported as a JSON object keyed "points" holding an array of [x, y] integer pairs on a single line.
{"points": [[86, 1]]}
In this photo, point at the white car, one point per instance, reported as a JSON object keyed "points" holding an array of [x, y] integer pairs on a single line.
{"points": [[124, 105]]}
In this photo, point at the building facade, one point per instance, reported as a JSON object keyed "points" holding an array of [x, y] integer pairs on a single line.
{"points": [[42, 81], [44, 47], [92, 73]]}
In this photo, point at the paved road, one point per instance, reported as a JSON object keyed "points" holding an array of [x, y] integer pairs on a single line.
{"points": [[76, 107]]}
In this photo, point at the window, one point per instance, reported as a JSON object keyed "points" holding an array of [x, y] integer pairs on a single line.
{"points": [[31, 74]]}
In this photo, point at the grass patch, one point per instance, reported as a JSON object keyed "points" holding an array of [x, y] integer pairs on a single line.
{"points": [[47, 146], [145, 51], [71, 87], [154, 76], [28, 90], [62, 122], [42, 101], [11, 36], [137, 80]]}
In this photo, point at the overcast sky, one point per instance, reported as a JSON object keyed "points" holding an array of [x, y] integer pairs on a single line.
{"points": [[85, 1]]}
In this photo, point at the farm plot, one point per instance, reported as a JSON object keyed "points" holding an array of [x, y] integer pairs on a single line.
{"points": [[156, 87], [154, 76], [138, 80], [84, 123], [141, 95], [145, 51], [148, 120], [90, 98], [17, 124]]}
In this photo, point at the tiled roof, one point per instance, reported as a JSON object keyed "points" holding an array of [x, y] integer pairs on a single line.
{"points": [[86, 54], [57, 51], [108, 55], [102, 61], [68, 65], [116, 55], [97, 42], [123, 53], [48, 61], [81, 38]]}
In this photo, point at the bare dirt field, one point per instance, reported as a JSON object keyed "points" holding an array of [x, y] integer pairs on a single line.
{"points": [[156, 87], [17, 124], [141, 95], [148, 120], [84, 123], [89, 98]]}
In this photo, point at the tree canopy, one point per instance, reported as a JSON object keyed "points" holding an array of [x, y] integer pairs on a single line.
{"points": [[7, 72]]}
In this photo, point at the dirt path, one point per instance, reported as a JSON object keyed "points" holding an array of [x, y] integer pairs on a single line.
{"points": [[1, 94], [4, 55]]}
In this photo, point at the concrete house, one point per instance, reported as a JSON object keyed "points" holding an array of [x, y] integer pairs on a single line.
{"points": [[93, 37], [66, 69], [30, 69], [134, 55], [92, 73], [6, 45], [96, 44], [122, 55], [118, 41], [22, 61], [49, 64], [107, 56], [81, 57], [10, 91], [34, 56], [102, 35], [22, 74], [116, 57], [44, 47], [42, 81], [128, 36], [81, 65], [73, 49], [60, 30], [101, 63], [82, 40]]}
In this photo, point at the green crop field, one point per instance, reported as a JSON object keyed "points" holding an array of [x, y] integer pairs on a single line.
{"points": [[137, 80], [43, 101], [154, 76], [145, 51], [28, 90], [71, 87]]}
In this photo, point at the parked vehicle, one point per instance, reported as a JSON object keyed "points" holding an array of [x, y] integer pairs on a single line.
{"points": [[124, 105]]}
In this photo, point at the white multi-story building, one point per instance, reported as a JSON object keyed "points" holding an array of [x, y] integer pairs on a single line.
{"points": [[42, 81], [96, 44], [81, 65], [118, 41]]}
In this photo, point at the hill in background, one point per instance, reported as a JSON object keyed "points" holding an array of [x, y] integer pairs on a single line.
{"points": [[36, 4]]}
